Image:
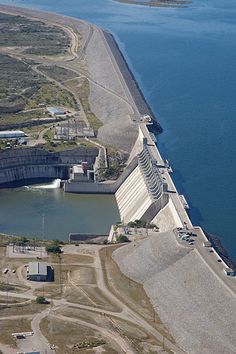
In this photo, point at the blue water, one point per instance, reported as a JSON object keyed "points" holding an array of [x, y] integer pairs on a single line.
{"points": [[185, 62]]}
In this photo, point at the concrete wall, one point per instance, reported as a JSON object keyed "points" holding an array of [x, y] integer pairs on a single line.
{"points": [[143, 193], [140, 191], [100, 188], [167, 219], [30, 163], [132, 197], [20, 173]]}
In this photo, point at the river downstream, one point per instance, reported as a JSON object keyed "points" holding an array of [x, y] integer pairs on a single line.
{"points": [[185, 62], [50, 213]]}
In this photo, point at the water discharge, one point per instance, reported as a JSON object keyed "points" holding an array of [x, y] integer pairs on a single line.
{"points": [[22, 209], [53, 185], [185, 62]]}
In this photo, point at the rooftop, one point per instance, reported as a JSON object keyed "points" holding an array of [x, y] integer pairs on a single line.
{"points": [[3, 132], [36, 268], [55, 110]]}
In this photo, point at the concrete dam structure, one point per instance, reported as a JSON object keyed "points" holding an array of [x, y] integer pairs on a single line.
{"points": [[140, 191], [34, 163], [143, 194]]}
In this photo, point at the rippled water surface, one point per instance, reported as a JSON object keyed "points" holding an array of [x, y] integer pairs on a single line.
{"points": [[185, 62], [51, 213]]}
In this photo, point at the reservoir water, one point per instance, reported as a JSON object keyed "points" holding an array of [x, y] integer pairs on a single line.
{"points": [[185, 62]]}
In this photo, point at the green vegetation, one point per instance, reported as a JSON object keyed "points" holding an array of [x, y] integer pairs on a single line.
{"points": [[60, 145], [49, 135], [50, 94], [54, 247], [83, 93], [9, 121], [89, 343], [22, 91], [41, 300], [116, 164], [141, 223], [6, 287], [122, 239], [34, 37], [57, 72], [113, 172], [21, 241], [18, 82], [22, 88]]}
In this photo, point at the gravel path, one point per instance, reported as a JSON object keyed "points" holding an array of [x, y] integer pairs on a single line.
{"points": [[190, 300]]}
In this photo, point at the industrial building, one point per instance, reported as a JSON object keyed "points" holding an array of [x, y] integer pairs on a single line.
{"points": [[39, 271], [11, 134], [55, 111]]}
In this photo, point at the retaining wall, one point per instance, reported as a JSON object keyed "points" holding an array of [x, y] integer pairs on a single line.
{"points": [[30, 163]]}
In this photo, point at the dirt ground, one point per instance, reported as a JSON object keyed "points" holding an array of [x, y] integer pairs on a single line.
{"points": [[89, 302]]}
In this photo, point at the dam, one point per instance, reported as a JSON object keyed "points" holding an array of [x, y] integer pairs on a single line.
{"points": [[145, 190]]}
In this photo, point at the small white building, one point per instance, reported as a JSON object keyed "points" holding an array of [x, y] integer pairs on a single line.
{"points": [[12, 134], [79, 173], [230, 272], [55, 111]]}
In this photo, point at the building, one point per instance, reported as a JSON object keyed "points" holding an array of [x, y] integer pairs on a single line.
{"points": [[230, 272], [79, 173], [12, 134], [37, 271], [55, 111], [207, 244]]}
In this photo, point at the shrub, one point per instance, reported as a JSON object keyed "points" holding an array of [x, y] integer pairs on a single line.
{"points": [[54, 249], [6, 287], [122, 238], [41, 300]]}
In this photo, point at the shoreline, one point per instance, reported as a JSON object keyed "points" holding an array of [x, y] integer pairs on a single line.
{"points": [[116, 54], [129, 78], [155, 3]]}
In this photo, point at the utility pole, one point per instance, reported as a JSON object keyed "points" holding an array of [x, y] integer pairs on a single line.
{"points": [[7, 287], [43, 231], [60, 273]]}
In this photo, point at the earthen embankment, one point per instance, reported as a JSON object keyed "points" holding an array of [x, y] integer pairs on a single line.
{"points": [[142, 106]]}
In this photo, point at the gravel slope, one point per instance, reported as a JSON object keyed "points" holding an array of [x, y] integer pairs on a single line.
{"points": [[190, 300], [118, 129]]}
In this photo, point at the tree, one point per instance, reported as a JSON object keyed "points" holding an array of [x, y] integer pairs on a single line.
{"points": [[122, 238], [41, 300], [54, 247]]}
